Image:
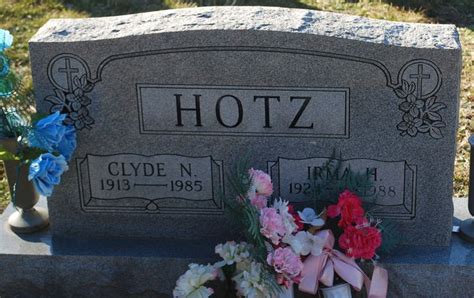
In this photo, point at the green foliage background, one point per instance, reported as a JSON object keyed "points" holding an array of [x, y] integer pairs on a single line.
{"points": [[24, 17]]}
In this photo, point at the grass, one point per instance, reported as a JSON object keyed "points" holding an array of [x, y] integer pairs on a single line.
{"points": [[24, 17]]}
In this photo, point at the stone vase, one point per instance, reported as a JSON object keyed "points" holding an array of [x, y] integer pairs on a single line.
{"points": [[27, 218], [337, 291]]}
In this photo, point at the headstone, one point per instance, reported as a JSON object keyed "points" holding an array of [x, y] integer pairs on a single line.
{"points": [[166, 102]]}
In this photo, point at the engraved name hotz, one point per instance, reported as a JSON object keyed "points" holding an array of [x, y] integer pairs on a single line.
{"points": [[416, 85], [229, 101], [244, 111]]}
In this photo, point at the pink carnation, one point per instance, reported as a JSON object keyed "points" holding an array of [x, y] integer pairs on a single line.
{"points": [[272, 225], [259, 201], [286, 263], [261, 183]]}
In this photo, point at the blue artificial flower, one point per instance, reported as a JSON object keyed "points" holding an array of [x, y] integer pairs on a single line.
{"points": [[48, 132], [6, 40], [45, 172], [67, 145]]}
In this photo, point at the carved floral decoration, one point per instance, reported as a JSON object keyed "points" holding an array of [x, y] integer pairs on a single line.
{"points": [[74, 103], [420, 115]]}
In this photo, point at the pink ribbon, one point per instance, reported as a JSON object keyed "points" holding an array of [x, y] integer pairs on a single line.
{"points": [[321, 269]]}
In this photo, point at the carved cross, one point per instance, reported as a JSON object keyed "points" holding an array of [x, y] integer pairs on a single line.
{"points": [[419, 79], [68, 70]]}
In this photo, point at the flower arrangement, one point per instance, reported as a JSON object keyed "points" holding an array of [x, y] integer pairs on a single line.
{"points": [[43, 143], [286, 247]]}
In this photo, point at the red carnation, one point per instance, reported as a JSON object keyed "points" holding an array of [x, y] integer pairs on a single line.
{"points": [[360, 242], [350, 208]]}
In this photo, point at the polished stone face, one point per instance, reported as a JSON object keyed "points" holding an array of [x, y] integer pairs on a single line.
{"points": [[167, 102]]}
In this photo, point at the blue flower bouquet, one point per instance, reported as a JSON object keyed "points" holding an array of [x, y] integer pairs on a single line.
{"points": [[43, 143]]}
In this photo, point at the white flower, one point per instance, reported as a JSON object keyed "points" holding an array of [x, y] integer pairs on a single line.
{"points": [[304, 243], [288, 220], [308, 216], [250, 283], [191, 283], [244, 265], [232, 252]]}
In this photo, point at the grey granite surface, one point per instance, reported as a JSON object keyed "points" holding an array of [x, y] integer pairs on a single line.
{"points": [[166, 103], [40, 265], [252, 18]]}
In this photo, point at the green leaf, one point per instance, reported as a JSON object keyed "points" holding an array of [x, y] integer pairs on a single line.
{"points": [[5, 130], [37, 117], [19, 104], [326, 191], [30, 153], [391, 238], [7, 155], [270, 281], [7, 85]]}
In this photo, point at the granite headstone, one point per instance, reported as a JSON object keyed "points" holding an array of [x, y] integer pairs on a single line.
{"points": [[165, 102]]}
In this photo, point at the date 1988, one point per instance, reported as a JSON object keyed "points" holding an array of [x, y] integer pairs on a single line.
{"points": [[380, 191]]}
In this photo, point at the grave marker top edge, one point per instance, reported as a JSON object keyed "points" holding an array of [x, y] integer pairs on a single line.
{"points": [[415, 35]]}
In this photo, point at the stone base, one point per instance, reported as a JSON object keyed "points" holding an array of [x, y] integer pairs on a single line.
{"points": [[38, 266], [432, 271]]}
